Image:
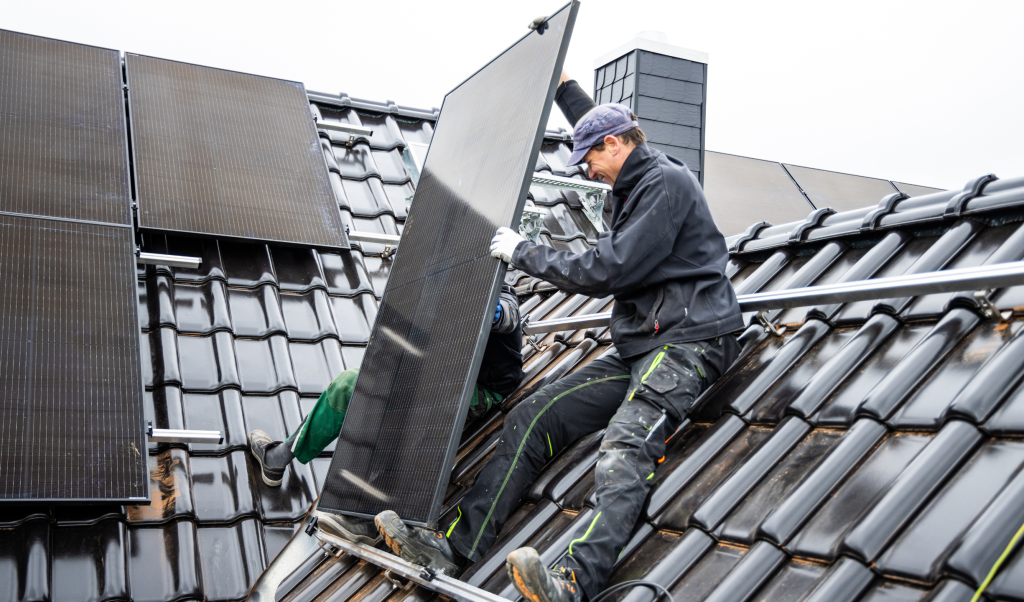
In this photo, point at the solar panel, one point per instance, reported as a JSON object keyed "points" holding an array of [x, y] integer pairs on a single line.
{"points": [[840, 191], [743, 191], [63, 148], [71, 418], [228, 154], [397, 446]]}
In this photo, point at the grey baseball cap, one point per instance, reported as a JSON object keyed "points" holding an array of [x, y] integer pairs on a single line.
{"points": [[601, 121]]}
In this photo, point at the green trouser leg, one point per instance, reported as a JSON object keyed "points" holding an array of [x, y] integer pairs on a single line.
{"points": [[323, 423]]}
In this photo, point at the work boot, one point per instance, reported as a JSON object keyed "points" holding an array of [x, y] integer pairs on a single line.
{"points": [[538, 583], [259, 441], [417, 545], [358, 530]]}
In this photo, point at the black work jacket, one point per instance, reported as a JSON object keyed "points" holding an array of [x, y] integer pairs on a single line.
{"points": [[663, 259]]}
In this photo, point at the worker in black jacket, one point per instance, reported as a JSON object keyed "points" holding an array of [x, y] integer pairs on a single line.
{"points": [[501, 371], [675, 314]]}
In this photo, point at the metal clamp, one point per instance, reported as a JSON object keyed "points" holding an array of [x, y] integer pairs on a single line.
{"points": [[530, 224], [762, 319], [988, 309], [593, 207], [592, 197], [397, 582]]}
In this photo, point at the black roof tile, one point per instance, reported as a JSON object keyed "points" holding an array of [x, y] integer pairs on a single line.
{"points": [[163, 562], [889, 348], [220, 411], [752, 571], [742, 522], [844, 582], [247, 265], [256, 313], [911, 489], [89, 562], [200, 309], [222, 488], [232, 558], [208, 362], [823, 533]]}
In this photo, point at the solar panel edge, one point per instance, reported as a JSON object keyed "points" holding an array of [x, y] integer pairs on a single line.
{"points": [[329, 499]]}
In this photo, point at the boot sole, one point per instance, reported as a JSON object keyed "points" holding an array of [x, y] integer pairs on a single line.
{"points": [[524, 577], [407, 549], [263, 469], [335, 526]]}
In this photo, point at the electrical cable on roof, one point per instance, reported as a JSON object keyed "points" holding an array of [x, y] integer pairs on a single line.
{"points": [[995, 567], [659, 590]]}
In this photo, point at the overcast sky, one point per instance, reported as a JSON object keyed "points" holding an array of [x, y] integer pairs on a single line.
{"points": [[928, 93]]}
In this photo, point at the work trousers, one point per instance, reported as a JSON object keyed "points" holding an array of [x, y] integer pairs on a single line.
{"points": [[640, 402], [323, 423]]}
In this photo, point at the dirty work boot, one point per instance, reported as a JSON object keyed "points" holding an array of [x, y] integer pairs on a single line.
{"points": [[538, 583], [417, 545], [358, 530], [259, 441]]}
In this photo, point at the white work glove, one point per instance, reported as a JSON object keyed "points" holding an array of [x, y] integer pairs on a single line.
{"points": [[504, 244]]}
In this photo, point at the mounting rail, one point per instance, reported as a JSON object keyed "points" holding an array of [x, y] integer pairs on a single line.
{"points": [[182, 436], [981, 279], [384, 239], [351, 130], [395, 568], [173, 261]]}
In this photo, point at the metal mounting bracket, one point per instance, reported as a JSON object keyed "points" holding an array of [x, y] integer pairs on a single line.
{"points": [[351, 130], [988, 309], [593, 206], [181, 435], [762, 319], [397, 582], [171, 261], [530, 225]]}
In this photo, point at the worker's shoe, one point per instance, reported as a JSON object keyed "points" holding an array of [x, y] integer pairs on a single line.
{"points": [[420, 546], [358, 530], [538, 583], [259, 441]]}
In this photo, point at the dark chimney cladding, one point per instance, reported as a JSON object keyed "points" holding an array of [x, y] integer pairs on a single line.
{"points": [[665, 86]]}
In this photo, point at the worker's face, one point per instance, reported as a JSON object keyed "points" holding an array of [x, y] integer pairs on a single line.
{"points": [[606, 163]]}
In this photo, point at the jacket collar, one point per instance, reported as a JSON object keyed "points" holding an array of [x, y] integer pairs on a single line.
{"points": [[636, 165]]}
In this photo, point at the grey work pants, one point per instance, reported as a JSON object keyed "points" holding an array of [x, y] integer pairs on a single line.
{"points": [[640, 402]]}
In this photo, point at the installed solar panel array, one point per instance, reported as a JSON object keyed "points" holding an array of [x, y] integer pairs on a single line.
{"points": [[397, 446], [63, 151], [71, 419], [228, 154]]}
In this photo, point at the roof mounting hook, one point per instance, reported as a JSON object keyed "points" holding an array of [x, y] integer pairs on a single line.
{"points": [[988, 309], [762, 319], [530, 224], [540, 24]]}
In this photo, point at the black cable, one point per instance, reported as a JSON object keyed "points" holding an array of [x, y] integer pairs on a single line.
{"points": [[659, 590]]}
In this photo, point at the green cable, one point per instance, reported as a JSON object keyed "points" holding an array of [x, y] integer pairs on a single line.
{"points": [[999, 563]]}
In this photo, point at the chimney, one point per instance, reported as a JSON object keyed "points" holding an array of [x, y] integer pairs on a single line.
{"points": [[664, 85]]}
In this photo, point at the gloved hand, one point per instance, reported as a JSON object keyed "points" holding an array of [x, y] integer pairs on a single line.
{"points": [[504, 244]]}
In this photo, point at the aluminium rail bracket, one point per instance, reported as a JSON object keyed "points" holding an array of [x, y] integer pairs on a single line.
{"points": [[593, 207], [530, 224], [762, 319], [988, 309]]}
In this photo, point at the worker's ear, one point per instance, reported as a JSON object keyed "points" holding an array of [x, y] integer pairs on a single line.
{"points": [[612, 144]]}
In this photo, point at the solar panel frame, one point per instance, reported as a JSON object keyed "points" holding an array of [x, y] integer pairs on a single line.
{"points": [[88, 345], [332, 236], [383, 368], [72, 100]]}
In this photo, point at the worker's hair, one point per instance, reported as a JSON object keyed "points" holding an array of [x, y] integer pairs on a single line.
{"points": [[634, 136]]}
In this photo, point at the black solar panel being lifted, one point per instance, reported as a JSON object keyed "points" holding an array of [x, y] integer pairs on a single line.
{"points": [[71, 419], [228, 154], [397, 446], [63, 149]]}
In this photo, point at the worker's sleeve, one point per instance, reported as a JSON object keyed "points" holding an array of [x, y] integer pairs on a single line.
{"points": [[508, 310], [573, 101], [622, 258]]}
